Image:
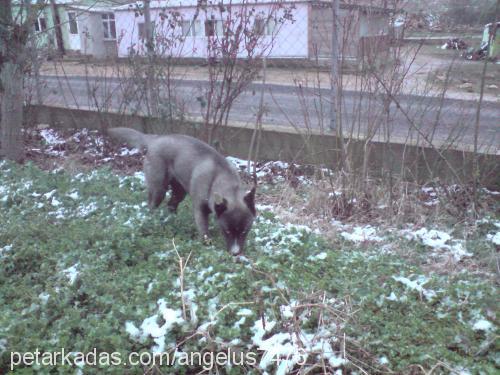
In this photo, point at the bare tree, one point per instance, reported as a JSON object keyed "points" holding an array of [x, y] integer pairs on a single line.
{"points": [[57, 27], [14, 60], [236, 46]]}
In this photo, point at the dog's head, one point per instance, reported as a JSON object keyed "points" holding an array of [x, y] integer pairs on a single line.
{"points": [[235, 216]]}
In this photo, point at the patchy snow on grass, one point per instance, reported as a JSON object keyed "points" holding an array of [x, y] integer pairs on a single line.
{"points": [[44, 297], [483, 325], [54, 143], [432, 238], [264, 207], [86, 209], [151, 328], [439, 240], [417, 285], [432, 196], [73, 195], [71, 273], [362, 234], [495, 238], [51, 137], [128, 152], [277, 238], [239, 163], [320, 256], [286, 350], [4, 250], [140, 176]]}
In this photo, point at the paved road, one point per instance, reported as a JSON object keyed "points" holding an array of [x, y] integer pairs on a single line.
{"points": [[302, 108]]}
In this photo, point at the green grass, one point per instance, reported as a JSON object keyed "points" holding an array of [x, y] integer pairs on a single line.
{"points": [[126, 261]]}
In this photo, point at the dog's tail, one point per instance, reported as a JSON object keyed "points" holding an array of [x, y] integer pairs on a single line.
{"points": [[130, 136]]}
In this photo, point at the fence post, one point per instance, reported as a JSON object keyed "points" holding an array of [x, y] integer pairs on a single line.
{"points": [[335, 66]]}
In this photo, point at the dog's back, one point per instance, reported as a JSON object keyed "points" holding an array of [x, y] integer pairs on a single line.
{"points": [[188, 165]]}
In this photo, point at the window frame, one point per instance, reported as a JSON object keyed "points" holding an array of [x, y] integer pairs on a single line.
{"points": [[271, 25], [109, 26], [193, 28], [71, 22], [259, 26], [38, 24]]}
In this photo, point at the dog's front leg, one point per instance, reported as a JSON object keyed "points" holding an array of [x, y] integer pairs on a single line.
{"points": [[201, 213]]}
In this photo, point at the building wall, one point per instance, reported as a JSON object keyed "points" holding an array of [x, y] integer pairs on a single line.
{"points": [[289, 38], [41, 39], [373, 25], [321, 20], [359, 32], [92, 39], [63, 16], [374, 36]]}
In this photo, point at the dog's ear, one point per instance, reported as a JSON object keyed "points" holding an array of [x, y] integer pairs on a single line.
{"points": [[220, 204], [249, 199]]}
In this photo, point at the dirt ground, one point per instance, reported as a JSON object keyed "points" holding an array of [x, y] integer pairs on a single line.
{"points": [[429, 65]]}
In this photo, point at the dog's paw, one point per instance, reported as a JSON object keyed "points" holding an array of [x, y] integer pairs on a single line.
{"points": [[207, 241]]}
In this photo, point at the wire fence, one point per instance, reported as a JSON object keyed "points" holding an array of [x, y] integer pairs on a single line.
{"points": [[204, 60]]}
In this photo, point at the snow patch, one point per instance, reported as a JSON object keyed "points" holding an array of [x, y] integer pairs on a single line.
{"points": [[51, 137], [432, 238], [362, 234], [128, 152], [417, 285], [151, 328], [5, 249], [72, 273], [483, 325], [320, 256], [440, 240], [74, 195], [495, 238]]}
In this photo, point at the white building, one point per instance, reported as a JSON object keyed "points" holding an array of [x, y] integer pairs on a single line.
{"points": [[272, 28], [91, 30]]}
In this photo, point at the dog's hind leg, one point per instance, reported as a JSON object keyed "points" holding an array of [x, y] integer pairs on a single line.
{"points": [[178, 194], [157, 182]]}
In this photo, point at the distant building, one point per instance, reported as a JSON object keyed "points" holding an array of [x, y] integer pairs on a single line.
{"points": [[298, 29], [287, 28], [87, 26]]}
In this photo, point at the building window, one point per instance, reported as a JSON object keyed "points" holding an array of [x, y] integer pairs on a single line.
{"points": [[213, 27], [142, 30], [259, 26], [209, 28], [73, 26], [108, 24], [191, 28], [40, 24], [263, 27], [270, 26]]}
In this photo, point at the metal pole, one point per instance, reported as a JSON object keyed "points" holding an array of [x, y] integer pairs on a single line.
{"points": [[335, 66]]}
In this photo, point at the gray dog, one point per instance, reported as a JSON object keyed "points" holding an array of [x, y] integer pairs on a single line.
{"points": [[187, 165]]}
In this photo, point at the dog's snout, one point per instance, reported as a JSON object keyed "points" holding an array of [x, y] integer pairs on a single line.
{"points": [[235, 249]]}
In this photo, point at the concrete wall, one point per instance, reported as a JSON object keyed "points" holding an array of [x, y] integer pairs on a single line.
{"points": [[280, 143], [289, 40]]}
